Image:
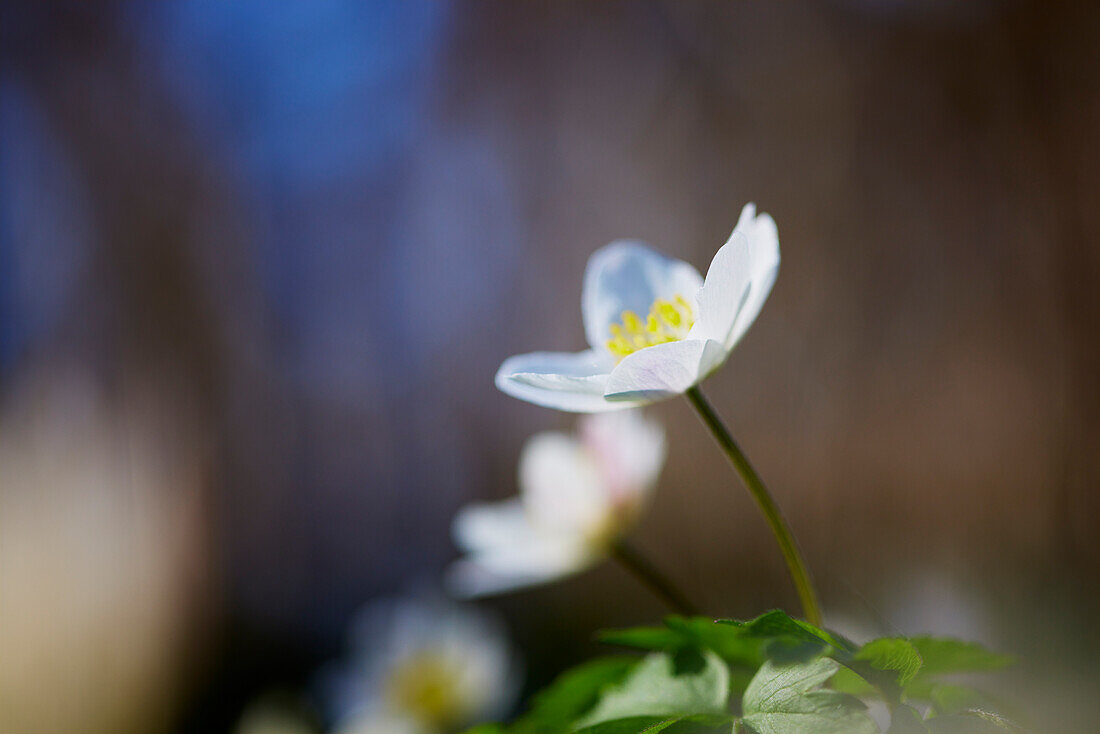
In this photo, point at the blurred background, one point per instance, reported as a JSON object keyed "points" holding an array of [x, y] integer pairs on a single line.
{"points": [[259, 263]]}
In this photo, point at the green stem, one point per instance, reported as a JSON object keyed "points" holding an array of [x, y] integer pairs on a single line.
{"points": [[642, 569], [764, 500]]}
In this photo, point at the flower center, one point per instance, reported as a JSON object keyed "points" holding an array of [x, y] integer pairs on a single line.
{"points": [[428, 687], [668, 321]]}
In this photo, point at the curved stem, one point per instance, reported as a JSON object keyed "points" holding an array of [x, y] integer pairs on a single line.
{"points": [[642, 569], [764, 500]]}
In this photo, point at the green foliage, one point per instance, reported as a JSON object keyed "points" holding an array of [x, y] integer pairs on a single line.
{"points": [[885, 664], [663, 684], [790, 639], [892, 654], [945, 655], [572, 694], [713, 724], [725, 642], [788, 699], [769, 675], [699, 633], [741, 652], [848, 681]]}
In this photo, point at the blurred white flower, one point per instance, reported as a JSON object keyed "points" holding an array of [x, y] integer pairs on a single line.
{"points": [[654, 326], [423, 666], [577, 495]]}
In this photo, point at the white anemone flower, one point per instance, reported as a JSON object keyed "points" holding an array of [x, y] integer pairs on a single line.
{"points": [[655, 327], [578, 494], [422, 666]]}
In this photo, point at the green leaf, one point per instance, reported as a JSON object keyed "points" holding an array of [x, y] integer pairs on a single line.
{"points": [[847, 680], [730, 643], [786, 699], [887, 663], [555, 708], [945, 655], [652, 724], [631, 725], [892, 654], [689, 682], [906, 720], [791, 639]]}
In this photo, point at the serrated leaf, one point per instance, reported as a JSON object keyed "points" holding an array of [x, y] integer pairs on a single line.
{"points": [[893, 654], [906, 720], [653, 724], [555, 708], [689, 682], [786, 699], [947, 655], [790, 638], [776, 685]]}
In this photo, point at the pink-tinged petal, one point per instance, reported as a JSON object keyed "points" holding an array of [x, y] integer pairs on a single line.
{"points": [[629, 449], [561, 487]]}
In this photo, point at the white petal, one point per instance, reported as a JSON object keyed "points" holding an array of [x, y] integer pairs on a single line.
{"points": [[571, 381], [490, 525], [739, 279], [629, 448], [664, 370], [764, 246], [505, 551], [561, 486], [628, 275], [514, 568], [725, 290]]}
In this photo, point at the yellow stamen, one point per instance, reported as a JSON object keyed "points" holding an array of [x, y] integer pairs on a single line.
{"points": [[427, 687], [667, 321]]}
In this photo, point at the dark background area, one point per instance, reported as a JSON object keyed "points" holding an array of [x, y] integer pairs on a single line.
{"points": [[259, 263]]}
